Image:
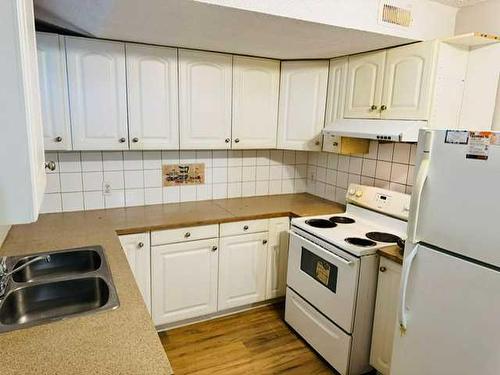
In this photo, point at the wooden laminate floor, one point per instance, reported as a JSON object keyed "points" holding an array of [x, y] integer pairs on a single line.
{"points": [[252, 342]]}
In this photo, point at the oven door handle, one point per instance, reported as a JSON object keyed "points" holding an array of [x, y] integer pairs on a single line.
{"points": [[337, 257]]}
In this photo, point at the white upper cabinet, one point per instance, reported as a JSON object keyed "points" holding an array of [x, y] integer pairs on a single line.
{"points": [[97, 91], [408, 78], [53, 91], [365, 79], [302, 104], [152, 97], [255, 102], [205, 83]]}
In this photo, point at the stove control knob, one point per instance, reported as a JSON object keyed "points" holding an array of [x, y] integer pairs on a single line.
{"points": [[352, 191], [359, 193]]}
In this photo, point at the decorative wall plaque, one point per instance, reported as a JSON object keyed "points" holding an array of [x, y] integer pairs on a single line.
{"points": [[183, 174]]}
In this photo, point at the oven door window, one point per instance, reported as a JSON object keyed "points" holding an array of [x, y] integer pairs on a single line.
{"points": [[319, 269]]}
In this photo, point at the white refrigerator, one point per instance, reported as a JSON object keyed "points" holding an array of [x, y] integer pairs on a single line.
{"points": [[449, 308]]}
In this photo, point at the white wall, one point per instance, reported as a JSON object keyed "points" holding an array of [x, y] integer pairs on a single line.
{"points": [[482, 17], [3, 233]]}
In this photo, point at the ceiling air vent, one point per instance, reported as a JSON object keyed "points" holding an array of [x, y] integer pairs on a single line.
{"points": [[396, 15]]}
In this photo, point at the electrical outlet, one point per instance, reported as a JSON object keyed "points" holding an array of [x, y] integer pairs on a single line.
{"points": [[106, 188]]}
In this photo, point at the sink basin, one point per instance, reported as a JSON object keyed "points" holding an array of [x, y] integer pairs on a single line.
{"points": [[73, 282], [42, 302], [61, 263]]}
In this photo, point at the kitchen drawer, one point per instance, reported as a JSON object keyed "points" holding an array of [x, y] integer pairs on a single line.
{"points": [[167, 236], [324, 336], [243, 227]]}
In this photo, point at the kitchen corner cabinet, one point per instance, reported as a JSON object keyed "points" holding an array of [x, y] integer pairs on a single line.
{"points": [[138, 251], [277, 257], [97, 92], [302, 104], [255, 102], [53, 91], [153, 115], [385, 317], [242, 269], [184, 280], [205, 86]]}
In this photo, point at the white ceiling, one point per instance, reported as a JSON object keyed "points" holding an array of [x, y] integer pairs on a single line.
{"points": [[459, 3]]}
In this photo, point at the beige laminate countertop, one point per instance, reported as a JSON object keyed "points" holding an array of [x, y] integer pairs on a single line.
{"points": [[121, 341], [391, 252]]}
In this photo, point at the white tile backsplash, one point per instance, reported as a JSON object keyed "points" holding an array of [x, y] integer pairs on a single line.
{"points": [[386, 165], [108, 179]]}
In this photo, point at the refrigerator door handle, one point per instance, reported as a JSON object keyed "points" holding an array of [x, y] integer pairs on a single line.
{"points": [[402, 316], [416, 198]]}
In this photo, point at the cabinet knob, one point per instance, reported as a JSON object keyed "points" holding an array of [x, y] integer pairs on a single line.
{"points": [[382, 269], [140, 244], [317, 143], [373, 107], [58, 139], [135, 139], [245, 227], [122, 140], [383, 107], [50, 165], [335, 144], [237, 140], [187, 234], [214, 248], [264, 242], [227, 140]]}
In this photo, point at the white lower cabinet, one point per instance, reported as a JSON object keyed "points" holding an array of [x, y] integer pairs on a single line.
{"points": [[277, 257], [184, 280], [242, 270], [138, 251], [385, 318]]}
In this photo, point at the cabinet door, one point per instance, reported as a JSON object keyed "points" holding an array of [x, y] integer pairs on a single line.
{"points": [[385, 318], [184, 280], [138, 251], [255, 102], [242, 270], [408, 80], [364, 85], [205, 82], [335, 100], [277, 257], [302, 104], [152, 97], [53, 91], [97, 93]]}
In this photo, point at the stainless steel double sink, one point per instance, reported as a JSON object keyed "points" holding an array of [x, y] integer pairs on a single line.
{"points": [[68, 283]]}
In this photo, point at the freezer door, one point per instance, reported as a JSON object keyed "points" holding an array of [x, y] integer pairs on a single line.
{"points": [[455, 204], [452, 318]]}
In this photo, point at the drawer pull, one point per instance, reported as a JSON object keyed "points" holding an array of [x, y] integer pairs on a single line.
{"points": [[383, 269], [264, 242], [245, 227], [214, 248], [140, 244], [187, 235]]}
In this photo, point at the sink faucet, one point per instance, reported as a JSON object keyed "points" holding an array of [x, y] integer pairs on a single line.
{"points": [[4, 275]]}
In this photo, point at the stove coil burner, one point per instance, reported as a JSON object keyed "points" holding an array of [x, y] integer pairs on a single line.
{"points": [[361, 242], [320, 223], [342, 220], [382, 237]]}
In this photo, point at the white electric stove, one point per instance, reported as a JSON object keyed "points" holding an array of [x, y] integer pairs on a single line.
{"points": [[332, 274]]}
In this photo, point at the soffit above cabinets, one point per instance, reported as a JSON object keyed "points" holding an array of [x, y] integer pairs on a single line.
{"points": [[278, 29]]}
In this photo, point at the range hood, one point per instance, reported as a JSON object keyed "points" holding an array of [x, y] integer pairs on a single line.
{"points": [[382, 130]]}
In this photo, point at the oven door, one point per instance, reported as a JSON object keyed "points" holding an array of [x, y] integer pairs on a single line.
{"points": [[327, 279]]}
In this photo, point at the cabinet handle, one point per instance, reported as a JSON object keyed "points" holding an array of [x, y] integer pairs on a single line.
{"points": [[373, 107], [187, 235], [264, 242], [214, 248], [140, 244], [135, 139], [383, 107], [58, 139], [382, 269], [227, 140], [50, 165], [245, 227], [237, 140], [122, 140]]}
